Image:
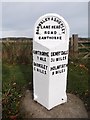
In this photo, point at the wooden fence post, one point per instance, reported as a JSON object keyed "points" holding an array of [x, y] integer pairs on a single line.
{"points": [[74, 45], [75, 42]]}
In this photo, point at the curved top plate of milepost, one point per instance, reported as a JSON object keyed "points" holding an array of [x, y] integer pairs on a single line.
{"points": [[51, 29]]}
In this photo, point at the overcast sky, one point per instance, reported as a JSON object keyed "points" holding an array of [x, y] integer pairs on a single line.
{"points": [[18, 18]]}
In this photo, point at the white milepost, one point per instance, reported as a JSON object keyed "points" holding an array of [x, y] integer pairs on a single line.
{"points": [[50, 59]]}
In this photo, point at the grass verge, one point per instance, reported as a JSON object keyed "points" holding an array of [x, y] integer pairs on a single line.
{"points": [[15, 79]]}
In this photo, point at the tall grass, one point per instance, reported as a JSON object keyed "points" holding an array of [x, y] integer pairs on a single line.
{"points": [[17, 52]]}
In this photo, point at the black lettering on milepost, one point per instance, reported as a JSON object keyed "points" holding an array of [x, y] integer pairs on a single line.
{"points": [[44, 30]]}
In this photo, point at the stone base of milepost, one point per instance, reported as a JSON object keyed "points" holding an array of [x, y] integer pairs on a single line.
{"points": [[73, 108]]}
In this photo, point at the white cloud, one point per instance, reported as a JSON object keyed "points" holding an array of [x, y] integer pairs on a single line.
{"points": [[21, 17], [44, 0], [0, 16], [21, 33]]}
